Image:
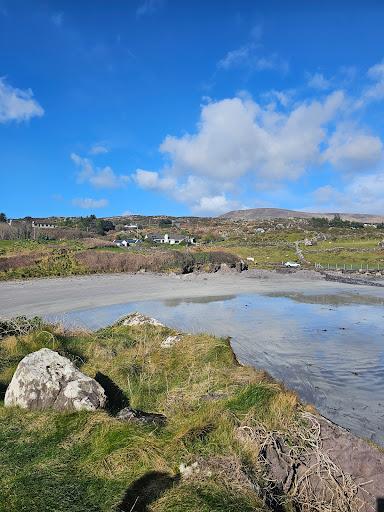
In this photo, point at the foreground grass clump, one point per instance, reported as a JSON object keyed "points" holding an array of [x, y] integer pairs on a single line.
{"points": [[81, 462]]}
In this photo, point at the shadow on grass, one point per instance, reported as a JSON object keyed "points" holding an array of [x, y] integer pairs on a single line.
{"points": [[3, 389], [145, 490], [117, 399]]}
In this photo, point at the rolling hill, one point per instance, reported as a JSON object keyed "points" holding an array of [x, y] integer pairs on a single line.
{"points": [[278, 213]]}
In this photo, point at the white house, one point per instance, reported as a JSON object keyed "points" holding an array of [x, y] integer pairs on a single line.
{"points": [[42, 224], [171, 239]]}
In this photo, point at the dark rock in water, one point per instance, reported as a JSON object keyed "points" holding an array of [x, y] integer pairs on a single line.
{"points": [[137, 416], [47, 380]]}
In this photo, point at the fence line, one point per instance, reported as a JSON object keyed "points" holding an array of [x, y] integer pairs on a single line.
{"points": [[350, 267]]}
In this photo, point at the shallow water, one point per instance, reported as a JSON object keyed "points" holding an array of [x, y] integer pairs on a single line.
{"points": [[328, 348]]}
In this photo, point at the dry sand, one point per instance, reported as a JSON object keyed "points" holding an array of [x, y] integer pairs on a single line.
{"points": [[60, 295]]}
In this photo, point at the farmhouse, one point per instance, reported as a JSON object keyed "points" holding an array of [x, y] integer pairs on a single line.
{"points": [[170, 239], [43, 224]]}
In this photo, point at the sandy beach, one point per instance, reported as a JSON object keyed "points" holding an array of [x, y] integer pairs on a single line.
{"points": [[59, 295]]}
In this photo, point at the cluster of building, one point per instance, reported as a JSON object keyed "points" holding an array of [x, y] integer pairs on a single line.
{"points": [[158, 239]]}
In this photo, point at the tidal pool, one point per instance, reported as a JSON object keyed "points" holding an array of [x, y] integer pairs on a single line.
{"points": [[328, 348]]}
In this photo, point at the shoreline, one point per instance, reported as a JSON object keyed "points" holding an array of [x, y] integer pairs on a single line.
{"points": [[303, 447], [68, 292], [57, 295]]}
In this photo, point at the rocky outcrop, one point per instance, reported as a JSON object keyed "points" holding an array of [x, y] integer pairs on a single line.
{"points": [[47, 380], [139, 319]]}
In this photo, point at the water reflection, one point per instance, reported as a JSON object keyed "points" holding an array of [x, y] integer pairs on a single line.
{"points": [[330, 351], [197, 300], [331, 299]]}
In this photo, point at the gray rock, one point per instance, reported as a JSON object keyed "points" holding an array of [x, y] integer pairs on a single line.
{"points": [[170, 341], [137, 416], [46, 380]]}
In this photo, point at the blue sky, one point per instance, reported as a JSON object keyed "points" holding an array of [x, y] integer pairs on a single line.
{"points": [[181, 107]]}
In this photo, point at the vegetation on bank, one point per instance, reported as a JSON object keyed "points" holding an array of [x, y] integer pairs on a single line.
{"points": [[91, 461], [84, 245], [26, 259]]}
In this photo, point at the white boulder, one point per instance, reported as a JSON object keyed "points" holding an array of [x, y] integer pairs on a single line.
{"points": [[139, 319], [47, 380]]}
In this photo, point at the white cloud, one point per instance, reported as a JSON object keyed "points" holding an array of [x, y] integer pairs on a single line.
{"points": [[363, 194], [239, 142], [151, 180], [98, 149], [195, 191], [236, 136], [367, 192], [17, 104], [318, 81], [100, 178], [375, 90], [88, 203], [353, 151], [148, 7], [215, 205]]}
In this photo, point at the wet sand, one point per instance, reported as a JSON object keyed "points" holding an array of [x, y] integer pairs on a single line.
{"points": [[60, 295]]}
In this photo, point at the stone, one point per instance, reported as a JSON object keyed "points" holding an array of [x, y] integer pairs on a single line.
{"points": [[137, 416], [139, 319], [170, 341], [189, 471], [241, 266], [47, 380]]}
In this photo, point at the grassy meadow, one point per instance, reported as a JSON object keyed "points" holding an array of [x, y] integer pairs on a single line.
{"points": [[91, 461]]}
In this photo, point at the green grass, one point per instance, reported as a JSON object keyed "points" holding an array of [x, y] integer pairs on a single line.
{"points": [[82, 461], [265, 257]]}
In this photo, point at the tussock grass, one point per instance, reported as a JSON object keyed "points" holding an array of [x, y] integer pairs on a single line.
{"points": [[85, 461]]}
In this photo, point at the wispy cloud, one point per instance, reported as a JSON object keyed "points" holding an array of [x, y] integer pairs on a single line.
{"points": [[375, 91], [17, 104], [98, 149], [148, 7], [88, 203], [252, 56], [318, 81], [103, 177], [249, 56]]}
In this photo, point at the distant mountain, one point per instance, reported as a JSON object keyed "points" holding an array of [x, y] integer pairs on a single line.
{"points": [[278, 213]]}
